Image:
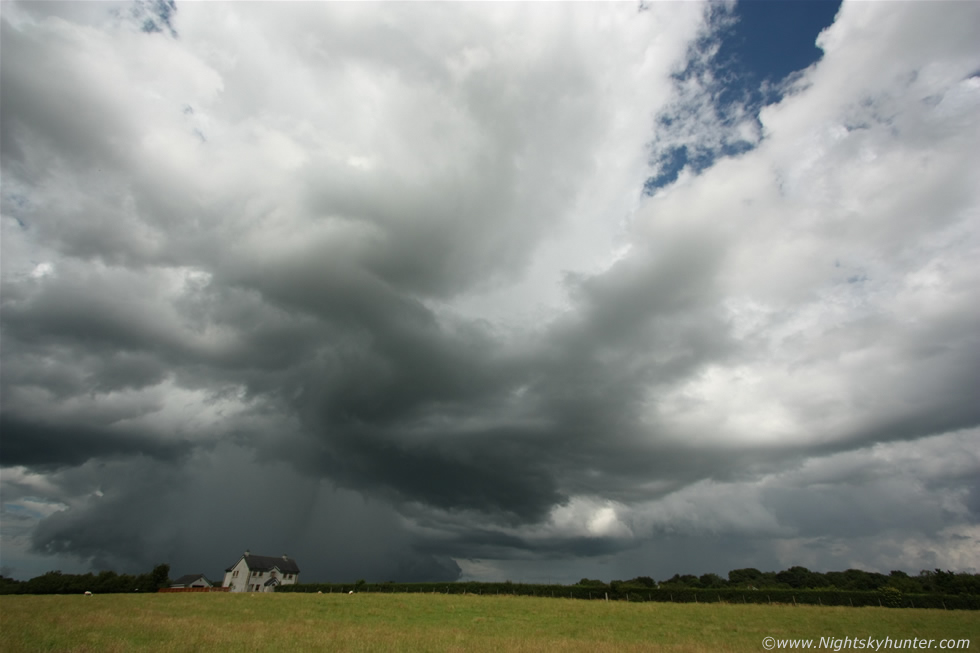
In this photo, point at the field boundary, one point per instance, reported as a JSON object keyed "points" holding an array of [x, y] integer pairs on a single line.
{"points": [[887, 598], [170, 590]]}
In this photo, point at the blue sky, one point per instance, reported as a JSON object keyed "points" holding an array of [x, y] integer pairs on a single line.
{"points": [[756, 45], [774, 38], [527, 291]]}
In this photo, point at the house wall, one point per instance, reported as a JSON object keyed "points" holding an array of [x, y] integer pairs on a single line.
{"points": [[257, 578], [260, 578], [239, 583], [247, 579], [288, 581]]}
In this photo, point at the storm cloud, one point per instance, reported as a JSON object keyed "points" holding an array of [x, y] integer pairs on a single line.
{"points": [[388, 288]]}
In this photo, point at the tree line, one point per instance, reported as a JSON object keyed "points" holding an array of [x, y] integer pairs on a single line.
{"points": [[105, 582], [936, 581]]}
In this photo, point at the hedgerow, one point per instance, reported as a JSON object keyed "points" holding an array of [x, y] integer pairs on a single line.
{"points": [[887, 597]]}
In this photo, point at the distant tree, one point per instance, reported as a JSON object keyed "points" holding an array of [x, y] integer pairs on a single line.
{"points": [[50, 582], [748, 577], [708, 581], [927, 581], [968, 583], [10, 585], [588, 582], [816, 579], [645, 581], [159, 577], [687, 580], [856, 579], [903, 582], [794, 577], [947, 582], [109, 581], [105, 582]]}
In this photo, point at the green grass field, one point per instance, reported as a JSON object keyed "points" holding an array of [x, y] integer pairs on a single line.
{"points": [[435, 622]]}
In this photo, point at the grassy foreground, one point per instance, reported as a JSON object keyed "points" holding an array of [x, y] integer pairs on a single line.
{"points": [[411, 622]]}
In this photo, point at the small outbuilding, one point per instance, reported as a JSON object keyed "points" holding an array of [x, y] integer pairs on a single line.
{"points": [[191, 580]]}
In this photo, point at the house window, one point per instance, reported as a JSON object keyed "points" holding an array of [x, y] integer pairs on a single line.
{"points": [[234, 574]]}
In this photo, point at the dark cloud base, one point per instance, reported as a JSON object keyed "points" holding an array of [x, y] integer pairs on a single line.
{"points": [[276, 317]]}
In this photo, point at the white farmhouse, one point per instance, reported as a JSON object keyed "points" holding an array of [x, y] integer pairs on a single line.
{"points": [[254, 573]]}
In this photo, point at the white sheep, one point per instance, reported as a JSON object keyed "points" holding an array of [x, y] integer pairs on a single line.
{"points": [[88, 594]]}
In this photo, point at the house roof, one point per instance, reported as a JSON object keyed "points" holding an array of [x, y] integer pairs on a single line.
{"points": [[254, 562], [190, 578]]}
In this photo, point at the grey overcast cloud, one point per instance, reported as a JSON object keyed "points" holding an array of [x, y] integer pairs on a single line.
{"points": [[488, 291]]}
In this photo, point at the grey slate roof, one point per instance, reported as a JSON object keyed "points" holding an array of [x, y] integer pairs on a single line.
{"points": [[188, 579], [266, 563]]}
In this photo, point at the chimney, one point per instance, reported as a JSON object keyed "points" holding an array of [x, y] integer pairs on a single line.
{"points": [[285, 557], [246, 553]]}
